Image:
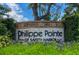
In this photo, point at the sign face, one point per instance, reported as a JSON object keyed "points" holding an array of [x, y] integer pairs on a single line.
{"points": [[40, 34]]}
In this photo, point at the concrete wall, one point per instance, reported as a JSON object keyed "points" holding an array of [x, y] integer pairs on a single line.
{"points": [[39, 31]]}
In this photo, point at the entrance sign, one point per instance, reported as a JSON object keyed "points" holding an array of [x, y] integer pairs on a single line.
{"points": [[39, 31]]}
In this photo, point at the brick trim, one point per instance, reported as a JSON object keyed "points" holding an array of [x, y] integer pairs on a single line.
{"points": [[38, 24]]}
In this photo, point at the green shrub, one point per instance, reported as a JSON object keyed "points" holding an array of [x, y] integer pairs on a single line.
{"points": [[3, 29], [9, 24], [71, 28], [5, 40]]}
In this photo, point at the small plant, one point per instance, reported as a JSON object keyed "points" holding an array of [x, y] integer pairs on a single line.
{"points": [[5, 40]]}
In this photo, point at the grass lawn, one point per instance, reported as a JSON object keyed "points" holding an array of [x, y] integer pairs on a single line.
{"points": [[40, 49]]}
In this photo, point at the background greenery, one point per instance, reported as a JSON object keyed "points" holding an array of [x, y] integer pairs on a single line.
{"points": [[7, 28], [71, 28]]}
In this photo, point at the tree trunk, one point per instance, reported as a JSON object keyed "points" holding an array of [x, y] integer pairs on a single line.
{"points": [[35, 11]]}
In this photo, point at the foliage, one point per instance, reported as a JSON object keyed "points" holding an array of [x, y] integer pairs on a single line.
{"points": [[71, 22], [7, 27], [5, 36], [45, 11], [71, 28], [5, 40], [4, 10], [41, 49], [70, 9], [3, 29], [10, 25]]}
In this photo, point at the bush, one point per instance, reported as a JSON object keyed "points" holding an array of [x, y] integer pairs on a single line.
{"points": [[5, 40], [7, 31], [9, 23], [71, 28], [3, 29]]}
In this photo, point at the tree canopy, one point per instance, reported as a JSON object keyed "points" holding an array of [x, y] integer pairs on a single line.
{"points": [[45, 10]]}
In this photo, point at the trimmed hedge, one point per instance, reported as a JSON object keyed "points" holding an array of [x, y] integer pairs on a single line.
{"points": [[71, 28]]}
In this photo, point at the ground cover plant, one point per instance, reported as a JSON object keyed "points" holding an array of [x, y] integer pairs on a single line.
{"points": [[41, 49]]}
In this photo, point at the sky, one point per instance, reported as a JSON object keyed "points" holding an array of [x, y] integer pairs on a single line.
{"points": [[20, 11]]}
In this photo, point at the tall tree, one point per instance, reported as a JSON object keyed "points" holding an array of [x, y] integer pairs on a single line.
{"points": [[3, 10], [46, 11], [71, 9], [37, 7], [7, 25]]}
